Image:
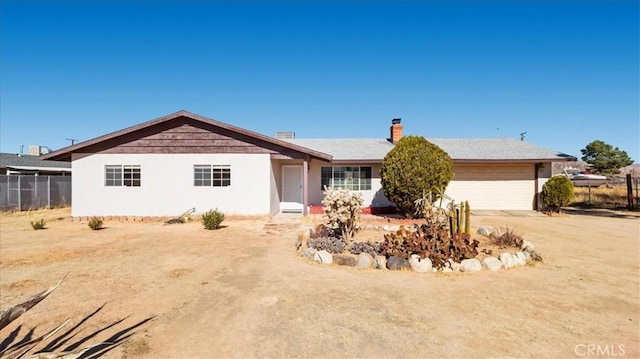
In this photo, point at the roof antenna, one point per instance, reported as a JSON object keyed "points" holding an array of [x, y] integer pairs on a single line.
{"points": [[522, 136], [73, 140]]}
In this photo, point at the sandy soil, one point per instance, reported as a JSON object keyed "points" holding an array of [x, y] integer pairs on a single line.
{"points": [[242, 292]]}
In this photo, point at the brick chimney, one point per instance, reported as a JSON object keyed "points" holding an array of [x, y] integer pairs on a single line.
{"points": [[396, 130]]}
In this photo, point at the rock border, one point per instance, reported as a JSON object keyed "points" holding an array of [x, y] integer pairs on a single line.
{"points": [[506, 260]]}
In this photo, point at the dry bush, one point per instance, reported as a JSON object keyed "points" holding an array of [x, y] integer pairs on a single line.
{"points": [[506, 237], [429, 242], [602, 196]]}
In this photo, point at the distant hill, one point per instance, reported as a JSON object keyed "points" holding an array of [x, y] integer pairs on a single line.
{"points": [[634, 169]]}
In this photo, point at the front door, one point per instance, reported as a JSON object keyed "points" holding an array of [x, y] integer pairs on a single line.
{"points": [[291, 189]]}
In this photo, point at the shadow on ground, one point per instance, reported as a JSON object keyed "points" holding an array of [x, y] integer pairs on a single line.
{"points": [[602, 212]]}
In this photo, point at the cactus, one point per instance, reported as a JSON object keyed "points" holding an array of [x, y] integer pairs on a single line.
{"points": [[452, 225], [429, 241], [453, 219], [467, 218], [463, 219]]}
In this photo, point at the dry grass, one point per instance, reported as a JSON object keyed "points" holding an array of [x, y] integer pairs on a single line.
{"points": [[49, 215], [243, 292], [604, 197]]}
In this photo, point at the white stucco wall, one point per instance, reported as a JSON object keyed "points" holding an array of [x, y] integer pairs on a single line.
{"points": [[274, 179], [167, 185], [544, 174], [374, 197]]}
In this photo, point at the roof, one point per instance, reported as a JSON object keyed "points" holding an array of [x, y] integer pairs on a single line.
{"points": [[460, 149], [29, 162], [342, 149], [349, 149], [64, 154], [497, 149]]}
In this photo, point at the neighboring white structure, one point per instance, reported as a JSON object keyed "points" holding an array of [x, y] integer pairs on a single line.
{"points": [[165, 166]]}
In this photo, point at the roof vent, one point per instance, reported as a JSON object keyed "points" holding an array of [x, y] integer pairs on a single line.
{"points": [[285, 135]]}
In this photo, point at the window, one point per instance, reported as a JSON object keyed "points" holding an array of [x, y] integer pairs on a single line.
{"points": [[212, 175], [121, 175], [353, 178]]}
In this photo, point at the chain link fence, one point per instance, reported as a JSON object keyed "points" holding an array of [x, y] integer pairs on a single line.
{"points": [[21, 193]]}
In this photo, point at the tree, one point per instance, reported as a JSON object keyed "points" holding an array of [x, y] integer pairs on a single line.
{"points": [[412, 168], [604, 158], [557, 192]]}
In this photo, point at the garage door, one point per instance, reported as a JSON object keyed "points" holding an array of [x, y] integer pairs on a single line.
{"points": [[509, 186]]}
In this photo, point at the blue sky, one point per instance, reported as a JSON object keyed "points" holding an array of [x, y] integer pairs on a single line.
{"points": [[567, 73]]}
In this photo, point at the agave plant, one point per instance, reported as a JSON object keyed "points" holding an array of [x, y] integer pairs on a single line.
{"points": [[54, 348]]}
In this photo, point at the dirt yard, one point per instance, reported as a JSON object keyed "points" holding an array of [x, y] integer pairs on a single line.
{"points": [[243, 292]]}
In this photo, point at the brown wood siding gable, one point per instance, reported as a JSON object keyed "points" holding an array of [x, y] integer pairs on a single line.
{"points": [[185, 135], [185, 132]]}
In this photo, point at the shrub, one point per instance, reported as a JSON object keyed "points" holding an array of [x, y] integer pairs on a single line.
{"points": [[329, 244], [373, 248], [342, 208], [414, 166], [506, 237], [212, 219], [95, 223], [38, 224], [322, 231], [557, 192]]}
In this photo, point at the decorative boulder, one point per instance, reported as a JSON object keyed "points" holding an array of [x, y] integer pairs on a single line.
{"points": [[344, 260], [380, 262], [391, 228], [365, 260], [522, 260], [491, 263], [535, 256], [485, 231], [507, 260], [398, 263], [309, 252], [419, 265], [323, 257], [528, 246], [470, 265], [455, 266]]}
